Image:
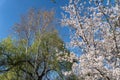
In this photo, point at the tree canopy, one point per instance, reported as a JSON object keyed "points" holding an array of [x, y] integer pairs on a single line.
{"points": [[35, 51], [95, 31]]}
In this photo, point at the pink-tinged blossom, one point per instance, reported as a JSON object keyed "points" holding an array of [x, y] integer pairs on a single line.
{"points": [[97, 33]]}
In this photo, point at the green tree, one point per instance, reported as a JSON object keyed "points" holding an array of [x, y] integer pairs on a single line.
{"points": [[35, 51]]}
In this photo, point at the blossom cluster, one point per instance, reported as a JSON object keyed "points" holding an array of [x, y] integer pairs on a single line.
{"points": [[96, 26]]}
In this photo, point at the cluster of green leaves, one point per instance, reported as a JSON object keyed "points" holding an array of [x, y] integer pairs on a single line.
{"points": [[16, 64], [34, 52]]}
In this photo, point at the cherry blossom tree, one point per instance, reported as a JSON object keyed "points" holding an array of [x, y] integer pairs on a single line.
{"points": [[95, 30]]}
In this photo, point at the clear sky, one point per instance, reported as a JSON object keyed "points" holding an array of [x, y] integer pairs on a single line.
{"points": [[11, 10]]}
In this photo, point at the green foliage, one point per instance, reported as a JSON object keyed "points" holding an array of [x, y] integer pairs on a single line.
{"points": [[14, 53], [33, 54], [66, 66]]}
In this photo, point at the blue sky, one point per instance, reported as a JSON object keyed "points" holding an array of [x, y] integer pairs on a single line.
{"points": [[11, 10]]}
